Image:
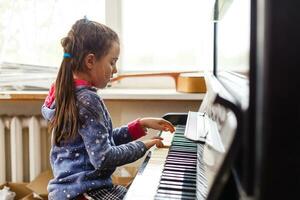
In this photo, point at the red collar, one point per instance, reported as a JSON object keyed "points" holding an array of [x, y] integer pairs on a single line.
{"points": [[80, 82], [51, 96]]}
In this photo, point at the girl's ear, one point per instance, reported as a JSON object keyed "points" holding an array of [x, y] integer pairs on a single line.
{"points": [[89, 60]]}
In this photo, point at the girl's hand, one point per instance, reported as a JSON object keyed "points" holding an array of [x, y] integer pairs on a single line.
{"points": [[157, 124], [154, 141]]}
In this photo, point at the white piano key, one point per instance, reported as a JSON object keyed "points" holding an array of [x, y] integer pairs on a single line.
{"points": [[144, 186], [167, 138]]}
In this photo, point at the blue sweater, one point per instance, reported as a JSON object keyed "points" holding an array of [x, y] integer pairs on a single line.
{"points": [[88, 161]]}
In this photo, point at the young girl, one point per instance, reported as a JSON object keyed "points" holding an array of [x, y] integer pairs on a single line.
{"points": [[85, 148]]}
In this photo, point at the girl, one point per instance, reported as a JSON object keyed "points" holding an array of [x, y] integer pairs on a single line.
{"points": [[85, 148]]}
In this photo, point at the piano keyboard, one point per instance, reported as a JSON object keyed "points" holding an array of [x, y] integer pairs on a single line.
{"points": [[172, 173], [146, 181], [178, 179]]}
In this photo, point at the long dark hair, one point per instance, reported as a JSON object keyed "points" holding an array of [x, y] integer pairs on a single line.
{"points": [[85, 37]]}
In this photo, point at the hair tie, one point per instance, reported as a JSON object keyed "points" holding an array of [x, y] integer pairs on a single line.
{"points": [[86, 19], [67, 55]]}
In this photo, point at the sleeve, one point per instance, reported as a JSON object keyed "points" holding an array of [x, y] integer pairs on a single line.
{"points": [[94, 132], [126, 134]]}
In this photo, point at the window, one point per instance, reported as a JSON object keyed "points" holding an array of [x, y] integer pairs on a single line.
{"points": [[31, 30], [234, 38], [155, 35], [166, 35]]}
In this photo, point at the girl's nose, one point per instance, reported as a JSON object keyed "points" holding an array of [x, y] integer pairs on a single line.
{"points": [[114, 70]]}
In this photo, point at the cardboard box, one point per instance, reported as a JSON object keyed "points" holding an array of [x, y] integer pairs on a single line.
{"points": [[19, 188], [36, 189], [40, 183]]}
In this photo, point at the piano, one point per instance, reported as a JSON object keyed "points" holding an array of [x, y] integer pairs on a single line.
{"points": [[188, 169], [257, 116]]}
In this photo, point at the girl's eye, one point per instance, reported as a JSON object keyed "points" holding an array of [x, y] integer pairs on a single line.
{"points": [[114, 62]]}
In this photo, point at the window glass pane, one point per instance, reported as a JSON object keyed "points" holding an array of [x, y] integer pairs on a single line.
{"points": [[166, 35], [234, 38], [31, 30]]}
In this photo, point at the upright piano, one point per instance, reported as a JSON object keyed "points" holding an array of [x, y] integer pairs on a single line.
{"points": [[189, 169], [257, 117]]}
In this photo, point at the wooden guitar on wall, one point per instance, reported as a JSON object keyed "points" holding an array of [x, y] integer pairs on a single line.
{"points": [[190, 82]]}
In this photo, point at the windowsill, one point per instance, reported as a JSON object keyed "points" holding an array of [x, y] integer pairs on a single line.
{"points": [[113, 94]]}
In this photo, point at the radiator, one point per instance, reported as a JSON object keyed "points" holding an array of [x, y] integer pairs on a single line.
{"points": [[24, 148]]}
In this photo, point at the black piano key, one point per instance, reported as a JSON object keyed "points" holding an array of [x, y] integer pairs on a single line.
{"points": [[180, 129], [182, 166], [187, 177], [180, 142], [161, 196], [181, 159], [183, 147], [174, 162], [180, 139], [176, 187], [173, 170], [184, 159], [187, 162], [176, 192], [180, 169], [182, 184], [178, 174], [185, 144], [179, 179], [175, 155], [182, 155], [183, 150]]}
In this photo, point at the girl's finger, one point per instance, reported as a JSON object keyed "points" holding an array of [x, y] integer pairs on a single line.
{"points": [[168, 125], [158, 137], [159, 144], [169, 128]]}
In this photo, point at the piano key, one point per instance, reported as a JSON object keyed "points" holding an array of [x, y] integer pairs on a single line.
{"points": [[179, 179], [180, 169], [174, 162], [176, 187], [181, 161], [186, 150], [176, 174], [173, 196], [176, 192], [167, 138], [183, 184], [182, 166], [182, 154]]}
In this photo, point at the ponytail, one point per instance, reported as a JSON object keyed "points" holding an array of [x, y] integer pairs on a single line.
{"points": [[64, 124]]}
